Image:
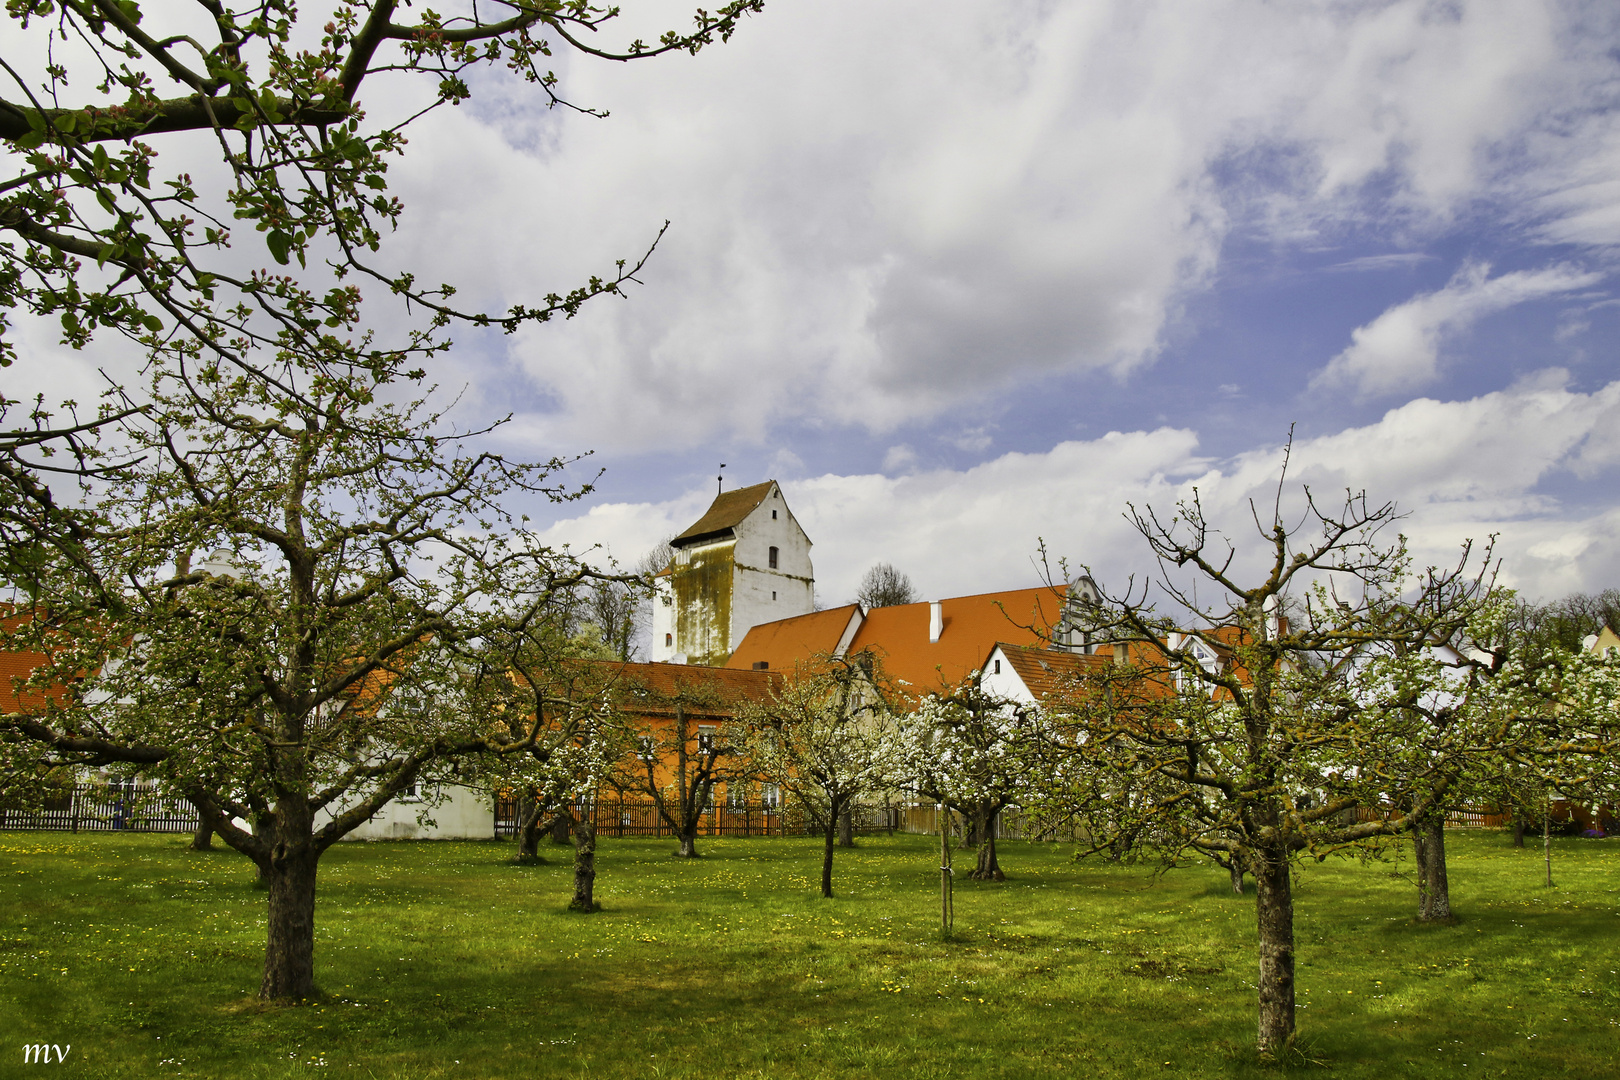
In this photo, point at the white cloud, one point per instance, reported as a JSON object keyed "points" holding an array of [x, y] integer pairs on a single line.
{"points": [[874, 225], [1460, 470], [1400, 350], [901, 458], [1398, 260]]}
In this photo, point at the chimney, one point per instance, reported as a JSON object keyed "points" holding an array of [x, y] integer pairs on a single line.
{"points": [[936, 620]]}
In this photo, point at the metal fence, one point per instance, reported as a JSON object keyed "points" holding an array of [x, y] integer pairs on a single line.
{"points": [[117, 807]]}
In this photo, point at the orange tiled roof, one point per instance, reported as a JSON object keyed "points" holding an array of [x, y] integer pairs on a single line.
{"points": [[785, 643], [649, 688], [725, 513], [972, 626], [1046, 670]]}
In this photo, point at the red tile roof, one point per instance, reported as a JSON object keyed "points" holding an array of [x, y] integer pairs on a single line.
{"points": [[1046, 670], [725, 513], [972, 627], [785, 643], [651, 689]]}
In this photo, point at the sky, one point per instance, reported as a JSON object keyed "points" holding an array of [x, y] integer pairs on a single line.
{"points": [[968, 278]]}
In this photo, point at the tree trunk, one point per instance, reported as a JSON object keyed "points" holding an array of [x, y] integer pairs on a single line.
{"points": [[528, 831], [289, 955], [688, 848], [1274, 907], [263, 824], [203, 838], [1518, 832], [1234, 866], [561, 825], [1434, 889], [826, 862], [988, 869], [846, 828], [584, 865]]}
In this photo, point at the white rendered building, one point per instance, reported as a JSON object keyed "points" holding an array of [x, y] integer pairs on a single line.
{"points": [[746, 561]]}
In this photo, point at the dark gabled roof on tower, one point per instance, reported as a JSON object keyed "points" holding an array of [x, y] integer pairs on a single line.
{"points": [[725, 513]]}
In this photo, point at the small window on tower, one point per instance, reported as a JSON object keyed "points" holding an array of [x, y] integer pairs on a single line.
{"points": [[773, 515], [773, 558], [998, 667], [773, 594], [669, 639]]}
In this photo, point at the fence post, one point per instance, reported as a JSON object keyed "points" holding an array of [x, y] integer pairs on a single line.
{"points": [[73, 809]]}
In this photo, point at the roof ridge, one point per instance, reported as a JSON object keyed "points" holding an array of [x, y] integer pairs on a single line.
{"points": [[726, 512]]}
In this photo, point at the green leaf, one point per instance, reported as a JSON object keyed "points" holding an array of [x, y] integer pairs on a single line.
{"points": [[279, 243]]}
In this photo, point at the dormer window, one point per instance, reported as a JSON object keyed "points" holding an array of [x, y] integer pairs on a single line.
{"points": [[773, 558]]}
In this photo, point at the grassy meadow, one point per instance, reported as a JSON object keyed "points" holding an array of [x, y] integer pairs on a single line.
{"points": [[447, 960]]}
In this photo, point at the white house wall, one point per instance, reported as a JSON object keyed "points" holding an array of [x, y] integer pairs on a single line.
{"points": [[1006, 682], [759, 593], [465, 814]]}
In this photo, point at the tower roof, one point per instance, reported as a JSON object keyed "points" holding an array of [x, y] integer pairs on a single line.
{"points": [[725, 513]]}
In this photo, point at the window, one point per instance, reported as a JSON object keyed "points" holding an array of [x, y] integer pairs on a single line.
{"points": [[644, 748], [773, 558], [998, 667], [409, 794], [773, 515], [706, 739], [762, 665], [773, 594], [770, 795], [669, 640], [736, 796]]}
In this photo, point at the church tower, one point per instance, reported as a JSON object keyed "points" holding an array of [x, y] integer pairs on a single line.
{"points": [[746, 561]]}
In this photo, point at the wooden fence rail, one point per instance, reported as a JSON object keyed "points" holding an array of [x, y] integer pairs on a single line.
{"points": [[615, 817], [118, 807]]}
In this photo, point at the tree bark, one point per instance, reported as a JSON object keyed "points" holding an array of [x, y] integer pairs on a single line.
{"points": [[827, 859], [289, 955], [560, 826], [688, 848], [263, 824], [1434, 888], [528, 831], [584, 865], [203, 838], [846, 828], [1234, 866], [1518, 832], [988, 869], [1274, 907]]}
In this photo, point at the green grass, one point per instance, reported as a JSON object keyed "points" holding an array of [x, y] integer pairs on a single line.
{"points": [[445, 960]]}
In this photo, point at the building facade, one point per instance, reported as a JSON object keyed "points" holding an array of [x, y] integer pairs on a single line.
{"points": [[746, 561]]}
